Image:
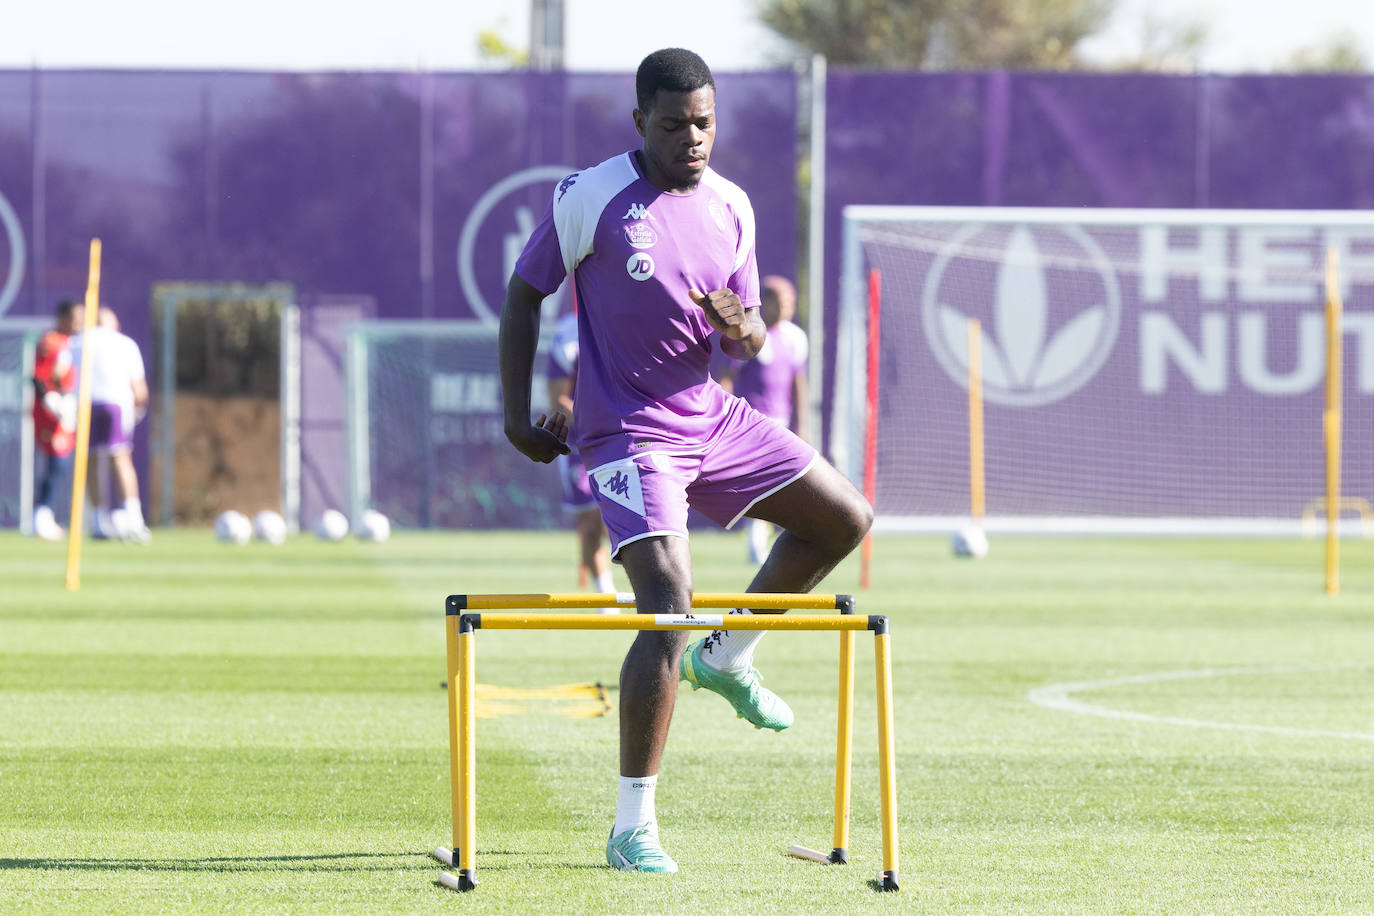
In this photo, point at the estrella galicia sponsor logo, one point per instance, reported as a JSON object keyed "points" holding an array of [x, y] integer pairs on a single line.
{"points": [[1043, 337], [640, 266], [12, 255], [619, 483], [567, 183], [641, 235], [638, 211]]}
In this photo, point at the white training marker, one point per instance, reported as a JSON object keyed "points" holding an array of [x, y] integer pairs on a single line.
{"points": [[803, 852], [449, 881], [443, 854]]}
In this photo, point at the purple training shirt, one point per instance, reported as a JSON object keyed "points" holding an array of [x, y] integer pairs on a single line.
{"points": [[644, 347]]}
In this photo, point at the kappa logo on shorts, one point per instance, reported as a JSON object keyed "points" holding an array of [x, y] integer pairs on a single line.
{"points": [[619, 482]]}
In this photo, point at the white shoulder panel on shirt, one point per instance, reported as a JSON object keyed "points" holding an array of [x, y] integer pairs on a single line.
{"points": [[739, 202], [579, 200]]}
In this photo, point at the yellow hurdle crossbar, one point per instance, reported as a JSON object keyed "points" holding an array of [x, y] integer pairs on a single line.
{"points": [[463, 621], [773, 601]]}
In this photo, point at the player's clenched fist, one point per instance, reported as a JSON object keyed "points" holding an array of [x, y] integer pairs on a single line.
{"points": [[543, 440], [724, 311]]}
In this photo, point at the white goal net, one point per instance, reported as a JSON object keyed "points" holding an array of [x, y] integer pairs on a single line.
{"points": [[427, 444], [1143, 370]]}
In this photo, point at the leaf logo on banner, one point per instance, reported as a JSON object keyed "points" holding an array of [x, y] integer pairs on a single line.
{"points": [[12, 267], [1025, 361]]}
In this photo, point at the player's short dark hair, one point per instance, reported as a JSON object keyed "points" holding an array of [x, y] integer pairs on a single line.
{"points": [[670, 70], [65, 309]]}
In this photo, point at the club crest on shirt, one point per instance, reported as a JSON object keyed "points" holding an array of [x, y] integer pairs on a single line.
{"points": [[718, 214], [641, 235]]}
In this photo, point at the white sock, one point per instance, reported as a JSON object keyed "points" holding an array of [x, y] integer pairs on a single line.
{"points": [[634, 805], [758, 538], [604, 583], [134, 508], [731, 650]]}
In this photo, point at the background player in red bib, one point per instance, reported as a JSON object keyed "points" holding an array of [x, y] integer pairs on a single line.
{"points": [[54, 415]]}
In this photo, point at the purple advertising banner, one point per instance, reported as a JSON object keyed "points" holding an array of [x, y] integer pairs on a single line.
{"points": [[1090, 140], [410, 191], [1158, 364]]}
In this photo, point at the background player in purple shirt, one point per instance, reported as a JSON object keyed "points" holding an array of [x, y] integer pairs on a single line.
{"points": [[661, 249], [578, 499], [774, 382]]}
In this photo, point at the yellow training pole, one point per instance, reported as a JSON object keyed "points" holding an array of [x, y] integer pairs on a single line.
{"points": [[83, 423], [887, 768], [844, 749], [466, 853], [975, 420], [1332, 422]]}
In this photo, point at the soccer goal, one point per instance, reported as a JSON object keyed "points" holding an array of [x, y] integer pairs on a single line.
{"points": [[1142, 371], [18, 337], [427, 443]]}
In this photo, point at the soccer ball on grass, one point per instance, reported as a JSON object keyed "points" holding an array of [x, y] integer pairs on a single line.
{"points": [[332, 525], [373, 526], [269, 526], [969, 541], [233, 527]]}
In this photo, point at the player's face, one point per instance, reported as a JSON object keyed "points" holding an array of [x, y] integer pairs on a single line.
{"points": [[679, 129]]}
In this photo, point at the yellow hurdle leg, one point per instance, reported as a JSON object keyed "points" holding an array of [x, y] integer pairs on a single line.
{"points": [[844, 749], [455, 746], [887, 775], [466, 852]]}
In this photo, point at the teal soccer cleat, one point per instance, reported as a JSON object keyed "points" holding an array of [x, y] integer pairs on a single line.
{"points": [[638, 849], [744, 690]]}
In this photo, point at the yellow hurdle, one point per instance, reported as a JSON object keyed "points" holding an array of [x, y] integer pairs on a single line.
{"points": [[462, 624]]}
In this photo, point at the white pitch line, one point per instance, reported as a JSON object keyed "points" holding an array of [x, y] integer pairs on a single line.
{"points": [[1058, 696]]}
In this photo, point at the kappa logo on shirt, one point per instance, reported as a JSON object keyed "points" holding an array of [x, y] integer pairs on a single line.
{"points": [[619, 482], [638, 211], [567, 183]]}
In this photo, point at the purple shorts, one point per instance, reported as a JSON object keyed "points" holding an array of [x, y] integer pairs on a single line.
{"points": [[747, 458], [577, 489], [111, 431]]}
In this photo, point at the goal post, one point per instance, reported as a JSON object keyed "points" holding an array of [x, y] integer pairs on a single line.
{"points": [[426, 433], [1142, 371]]}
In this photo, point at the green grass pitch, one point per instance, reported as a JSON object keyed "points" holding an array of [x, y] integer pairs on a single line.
{"points": [[206, 728]]}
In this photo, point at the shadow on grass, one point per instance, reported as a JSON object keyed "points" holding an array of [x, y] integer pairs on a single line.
{"points": [[341, 862]]}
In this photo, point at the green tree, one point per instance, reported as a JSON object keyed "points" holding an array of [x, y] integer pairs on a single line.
{"points": [[1339, 54], [940, 34]]}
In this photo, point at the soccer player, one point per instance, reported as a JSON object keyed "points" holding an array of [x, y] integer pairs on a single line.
{"points": [[572, 475], [774, 382], [54, 415], [661, 249], [119, 398]]}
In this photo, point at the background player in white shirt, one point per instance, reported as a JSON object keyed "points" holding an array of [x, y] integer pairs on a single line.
{"points": [[119, 399]]}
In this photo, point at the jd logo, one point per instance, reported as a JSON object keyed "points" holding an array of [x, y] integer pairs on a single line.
{"points": [[640, 266], [1051, 320], [495, 233], [11, 267]]}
